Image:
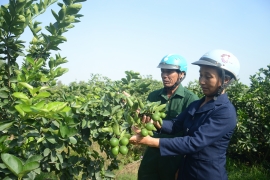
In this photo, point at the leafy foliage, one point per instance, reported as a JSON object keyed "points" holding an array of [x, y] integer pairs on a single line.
{"points": [[49, 127], [252, 136]]}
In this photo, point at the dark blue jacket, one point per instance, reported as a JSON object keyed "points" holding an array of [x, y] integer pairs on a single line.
{"points": [[207, 134]]}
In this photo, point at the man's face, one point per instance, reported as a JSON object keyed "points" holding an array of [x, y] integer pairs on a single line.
{"points": [[169, 77]]}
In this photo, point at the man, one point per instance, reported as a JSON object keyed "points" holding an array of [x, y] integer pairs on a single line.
{"points": [[173, 71]]}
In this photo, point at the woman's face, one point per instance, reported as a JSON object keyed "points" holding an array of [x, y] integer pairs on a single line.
{"points": [[169, 77], [209, 80]]}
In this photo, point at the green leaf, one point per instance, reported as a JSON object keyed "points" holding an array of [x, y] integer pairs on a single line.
{"points": [[72, 140], [66, 109], [14, 164], [114, 109], [4, 126], [44, 87], [62, 12], [44, 79], [46, 152], [66, 131], [51, 139], [3, 94], [20, 4], [63, 131], [3, 166], [3, 138], [27, 167], [60, 146], [55, 106], [39, 104], [106, 113], [19, 109], [73, 9], [34, 158], [25, 108], [43, 94], [20, 95], [55, 15], [26, 85], [109, 174], [67, 2], [76, 1], [60, 157], [13, 79]]}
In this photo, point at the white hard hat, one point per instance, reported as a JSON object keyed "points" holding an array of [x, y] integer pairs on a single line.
{"points": [[222, 59]]}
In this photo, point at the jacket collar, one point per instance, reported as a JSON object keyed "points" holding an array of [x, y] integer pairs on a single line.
{"points": [[221, 99], [179, 91]]}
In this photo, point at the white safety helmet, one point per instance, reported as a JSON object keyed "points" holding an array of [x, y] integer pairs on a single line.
{"points": [[222, 59]]}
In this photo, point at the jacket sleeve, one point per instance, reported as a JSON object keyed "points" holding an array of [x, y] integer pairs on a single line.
{"points": [[222, 121], [175, 125]]}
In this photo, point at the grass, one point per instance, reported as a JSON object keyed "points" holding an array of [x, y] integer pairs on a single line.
{"points": [[236, 171], [46, 176], [128, 172]]}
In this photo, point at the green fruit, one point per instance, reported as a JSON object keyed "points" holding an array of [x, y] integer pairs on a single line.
{"points": [[155, 117], [150, 133], [116, 127], [144, 132], [124, 141], [160, 121], [44, 130], [115, 150], [55, 132], [163, 115], [129, 101], [158, 113], [112, 94], [149, 126], [123, 150], [107, 129], [135, 106], [130, 119], [114, 142], [137, 120], [31, 139], [127, 135], [141, 105]]}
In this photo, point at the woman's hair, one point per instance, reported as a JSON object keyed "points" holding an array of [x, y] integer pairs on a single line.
{"points": [[228, 75]]}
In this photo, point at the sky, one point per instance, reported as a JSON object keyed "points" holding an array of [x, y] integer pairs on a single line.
{"points": [[119, 35]]}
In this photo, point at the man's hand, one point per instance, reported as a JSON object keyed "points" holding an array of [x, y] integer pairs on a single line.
{"points": [[126, 94], [146, 119], [135, 129], [139, 139]]}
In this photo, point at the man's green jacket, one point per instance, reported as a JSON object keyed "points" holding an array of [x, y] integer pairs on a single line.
{"points": [[154, 166]]}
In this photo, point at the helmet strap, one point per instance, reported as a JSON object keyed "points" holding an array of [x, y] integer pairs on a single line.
{"points": [[176, 83], [223, 85]]}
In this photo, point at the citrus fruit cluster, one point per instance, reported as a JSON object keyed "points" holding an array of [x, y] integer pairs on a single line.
{"points": [[147, 129], [158, 116], [119, 145], [136, 109]]}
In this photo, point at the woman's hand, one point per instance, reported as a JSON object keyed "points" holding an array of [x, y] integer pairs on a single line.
{"points": [[147, 140]]}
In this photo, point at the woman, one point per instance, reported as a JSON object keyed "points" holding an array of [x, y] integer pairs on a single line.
{"points": [[208, 123]]}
